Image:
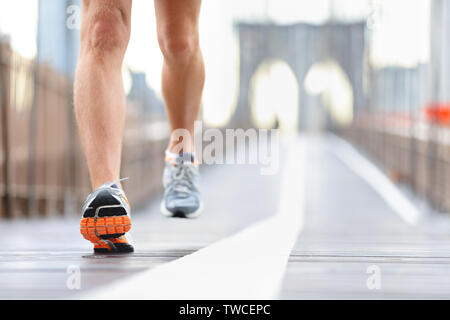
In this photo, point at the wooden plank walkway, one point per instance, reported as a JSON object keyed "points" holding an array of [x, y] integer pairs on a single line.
{"points": [[348, 228], [35, 255]]}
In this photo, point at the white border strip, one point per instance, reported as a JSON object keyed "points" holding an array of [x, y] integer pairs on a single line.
{"points": [[377, 180], [248, 265]]}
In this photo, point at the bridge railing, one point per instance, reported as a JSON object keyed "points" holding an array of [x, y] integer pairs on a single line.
{"points": [[43, 171]]}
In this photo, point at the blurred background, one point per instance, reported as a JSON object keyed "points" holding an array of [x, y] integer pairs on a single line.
{"points": [[375, 72]]}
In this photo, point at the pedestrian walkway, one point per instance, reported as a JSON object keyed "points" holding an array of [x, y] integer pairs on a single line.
{"points": [[351, 236], [318, 229]]}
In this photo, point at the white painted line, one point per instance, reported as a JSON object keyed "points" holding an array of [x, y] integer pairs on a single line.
{"points": [[247, 265], [377, 180]]}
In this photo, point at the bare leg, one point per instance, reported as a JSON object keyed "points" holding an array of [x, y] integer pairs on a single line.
{"points": [[99, 94], [183, 71]]}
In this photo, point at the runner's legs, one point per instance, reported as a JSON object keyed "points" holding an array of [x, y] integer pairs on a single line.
{"points": [[183, 70], [98, 91]]}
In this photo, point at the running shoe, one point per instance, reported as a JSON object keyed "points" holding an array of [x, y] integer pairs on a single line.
{"points": [[106, 219], [180, 180]]}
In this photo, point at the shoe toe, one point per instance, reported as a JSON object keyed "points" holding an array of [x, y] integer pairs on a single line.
{"points": [[184, 206]]}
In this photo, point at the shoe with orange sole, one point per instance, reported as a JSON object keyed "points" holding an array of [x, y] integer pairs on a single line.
{"points": [[106, 219]]}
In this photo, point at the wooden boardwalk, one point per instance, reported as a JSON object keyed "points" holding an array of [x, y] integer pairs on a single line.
{"points": [[350, 229], [349, 236]]}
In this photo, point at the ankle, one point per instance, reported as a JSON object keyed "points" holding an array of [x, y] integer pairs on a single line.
{"points": [[174, 148], [99, 183]]}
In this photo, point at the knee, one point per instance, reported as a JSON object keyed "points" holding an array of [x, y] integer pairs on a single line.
{"points": [[178, 46], [106, 31]]}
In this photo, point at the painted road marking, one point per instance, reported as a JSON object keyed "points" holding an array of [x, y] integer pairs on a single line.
{"points": [[248, 265], [377, 180]]}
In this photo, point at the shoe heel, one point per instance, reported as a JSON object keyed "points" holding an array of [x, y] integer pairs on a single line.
{"points": [[94, 229]]}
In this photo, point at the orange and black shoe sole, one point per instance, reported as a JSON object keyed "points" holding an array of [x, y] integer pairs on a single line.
{"points": [[107, 233], [105, 222]]}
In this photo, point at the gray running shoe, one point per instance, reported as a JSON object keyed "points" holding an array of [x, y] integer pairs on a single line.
{"points": [[180, 180]]}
